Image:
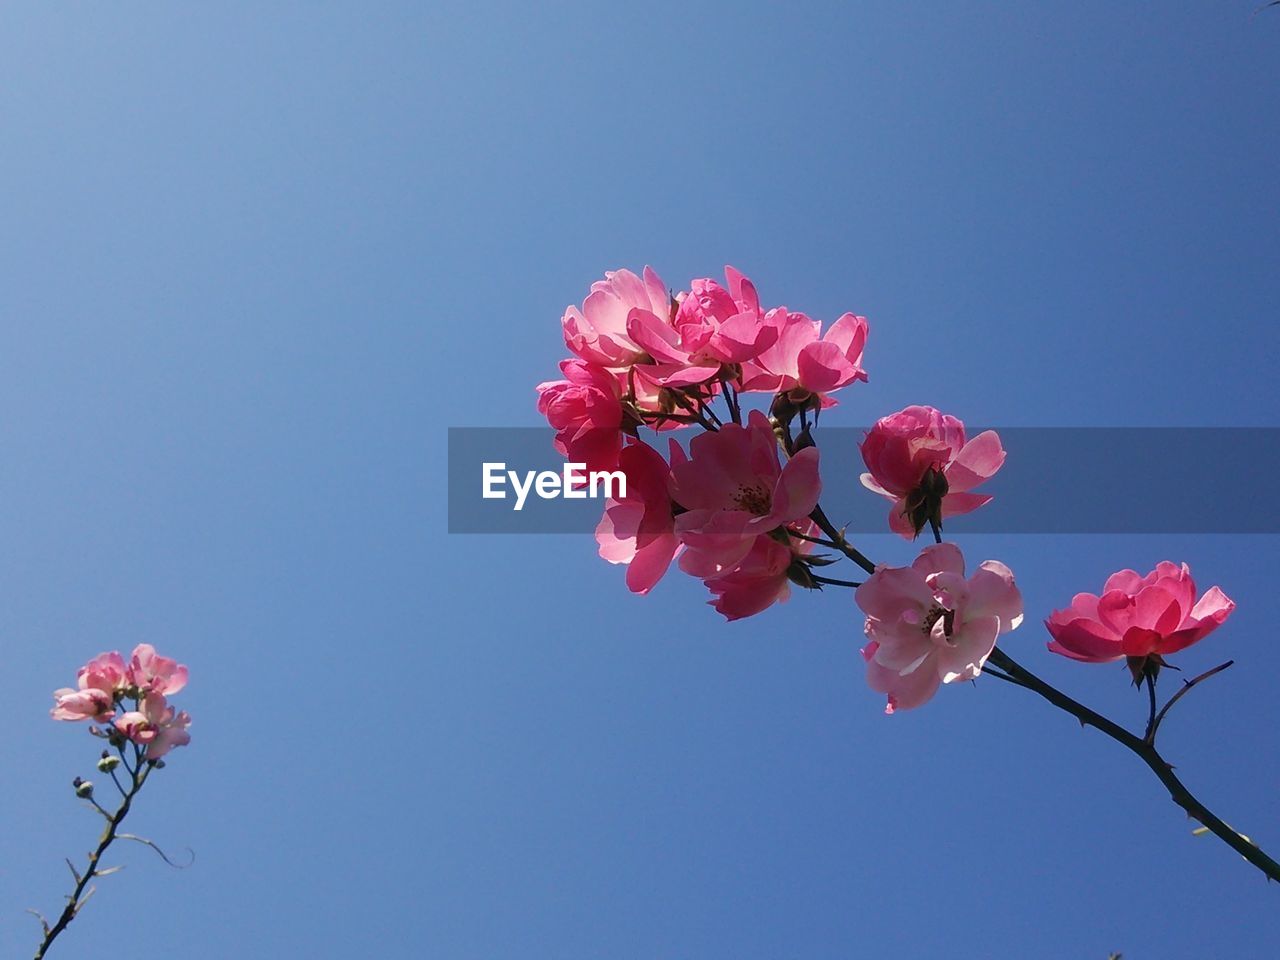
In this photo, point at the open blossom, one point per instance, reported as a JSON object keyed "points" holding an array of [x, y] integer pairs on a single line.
{"points": [[598, 332], [806, 364], [764, 576], [150, 671], [1137, 618], [88, 704], [919, 459], [106, 671], [639, 529], [156, 725], [713, 326], [928, 625], [97, 684], [734, 489], [585, 410]]}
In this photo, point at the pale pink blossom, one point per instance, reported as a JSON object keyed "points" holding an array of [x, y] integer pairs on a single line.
{"points": [[713, 326], [805, 364], [639, 529], [1138, 618], [764, 576], [598, 332], [927, 625], [155, 725], [90, 703], [98, 683], [734, 489], [919, 459], [106, 672], [148, 671], [585, 410]]}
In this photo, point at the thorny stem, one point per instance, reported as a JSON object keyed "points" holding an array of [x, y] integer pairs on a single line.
{"points": [[1145, 751], [838, 541], [835, 538], [78, 896]]}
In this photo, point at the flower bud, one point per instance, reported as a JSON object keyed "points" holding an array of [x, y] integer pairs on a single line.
{"points": [[108, 762], [84, 788]]}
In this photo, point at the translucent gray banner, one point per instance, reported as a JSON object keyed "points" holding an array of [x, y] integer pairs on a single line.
{"points": [[1055, 480]]}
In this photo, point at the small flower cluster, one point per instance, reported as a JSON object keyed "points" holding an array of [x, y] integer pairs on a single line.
{"points": [[106, 683], [642, 357], [740, 508], [734, 513]]}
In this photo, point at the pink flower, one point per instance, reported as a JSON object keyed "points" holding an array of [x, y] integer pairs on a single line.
{"points": [[97, 684], [928, 625], [1141, 619], [155, 725], [639, 529], [598, 332], [919, 459], [148, 671], [88, 704], [763, 578], [712, 327], [734, 489], [806, 365], [105, 672], [585, 410]]}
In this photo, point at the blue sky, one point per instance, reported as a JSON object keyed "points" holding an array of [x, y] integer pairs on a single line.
{"points": [[259, 258]]}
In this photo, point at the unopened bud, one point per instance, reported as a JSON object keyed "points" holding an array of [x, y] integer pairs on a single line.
{"points": [[84, 788], [108, 762]]}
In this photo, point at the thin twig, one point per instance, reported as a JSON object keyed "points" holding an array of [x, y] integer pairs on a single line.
{"points": [[1151, 717], [1186, 686], [79, 897], [833, 581]]}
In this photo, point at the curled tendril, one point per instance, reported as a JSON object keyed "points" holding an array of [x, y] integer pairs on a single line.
{"points": [[191, 854]]}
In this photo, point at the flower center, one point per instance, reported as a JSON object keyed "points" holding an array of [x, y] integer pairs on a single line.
{"points": [[938, 612], [755, 499]]}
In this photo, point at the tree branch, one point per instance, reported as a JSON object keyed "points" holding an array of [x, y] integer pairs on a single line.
{"points": [[1147, 752]]}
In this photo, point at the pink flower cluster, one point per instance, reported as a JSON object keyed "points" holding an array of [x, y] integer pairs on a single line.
{"points": [[643, 357], [105, 683], [727, 508], [730, 509], [738, 507]]}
